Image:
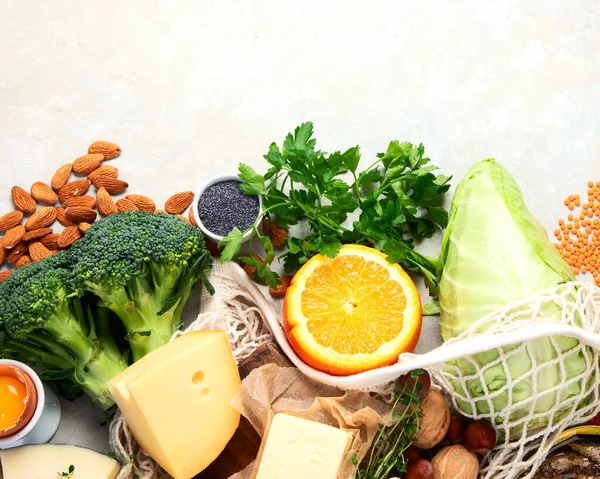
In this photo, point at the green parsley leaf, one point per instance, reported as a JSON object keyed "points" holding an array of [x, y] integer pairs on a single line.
{"points": [[252, 182], [232, 243], [329, 246], [301, 144]]}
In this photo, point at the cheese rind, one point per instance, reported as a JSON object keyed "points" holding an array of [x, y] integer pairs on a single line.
{"points": [[48, 460], [297, 448], [176, 401]]}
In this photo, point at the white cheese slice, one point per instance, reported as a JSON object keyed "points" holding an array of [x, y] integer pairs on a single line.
{"points": [[297, 448], [48, 461]]}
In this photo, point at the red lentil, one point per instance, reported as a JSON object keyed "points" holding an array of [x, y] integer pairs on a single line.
{"points": [[578, 237]]}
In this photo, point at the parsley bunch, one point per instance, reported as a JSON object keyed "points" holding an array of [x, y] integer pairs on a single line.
{"points": [[398, 200]]}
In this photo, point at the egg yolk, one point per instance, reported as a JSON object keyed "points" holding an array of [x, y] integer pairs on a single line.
{"points": [[12, 401]]}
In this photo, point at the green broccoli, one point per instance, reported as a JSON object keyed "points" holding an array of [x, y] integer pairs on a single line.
{"points": [[47, 322], [143, 267]]}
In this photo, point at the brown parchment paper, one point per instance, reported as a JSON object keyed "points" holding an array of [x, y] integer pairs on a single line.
{"points": [[271, 389]]}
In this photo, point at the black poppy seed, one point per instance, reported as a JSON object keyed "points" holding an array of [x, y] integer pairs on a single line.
{"points": [[223, 207]]}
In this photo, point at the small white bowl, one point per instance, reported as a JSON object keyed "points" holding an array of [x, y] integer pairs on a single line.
{"points": [[201, 189], [13, 440]]}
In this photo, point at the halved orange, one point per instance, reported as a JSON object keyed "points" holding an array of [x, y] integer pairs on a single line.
{"points": [[352, 313]]}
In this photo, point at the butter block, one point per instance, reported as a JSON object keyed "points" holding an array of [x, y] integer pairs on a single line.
{"points": [[49, 460], [297, 448], [176, 400]]}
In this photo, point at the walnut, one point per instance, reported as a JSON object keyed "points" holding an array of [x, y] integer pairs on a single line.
{"points": [[455, 462], [435, 422]]}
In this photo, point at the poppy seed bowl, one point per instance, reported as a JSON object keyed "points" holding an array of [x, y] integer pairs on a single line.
{"points": [[220, 206]]}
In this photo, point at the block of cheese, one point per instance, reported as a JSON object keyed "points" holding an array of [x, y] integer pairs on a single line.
{"points": [[297, 448], [176, 400], [49, 460]]}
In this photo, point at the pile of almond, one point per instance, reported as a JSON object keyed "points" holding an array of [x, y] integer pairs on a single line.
{"points": [[28, 230]]}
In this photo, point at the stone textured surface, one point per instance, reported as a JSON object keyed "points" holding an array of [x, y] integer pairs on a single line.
{"points": [[190, 88]]}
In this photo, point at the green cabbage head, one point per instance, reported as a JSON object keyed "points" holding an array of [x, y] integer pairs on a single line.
{"points": [[495, 252]]}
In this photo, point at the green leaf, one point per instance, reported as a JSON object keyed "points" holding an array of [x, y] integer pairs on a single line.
{"points": [[300, 144], [269, 249], [274, 157], [438, 215], [262, 271], [369, 177], [232, 243], [351, 158], [432, 308], [397, 155], [253, 183], [328, 246], [340, 196]]}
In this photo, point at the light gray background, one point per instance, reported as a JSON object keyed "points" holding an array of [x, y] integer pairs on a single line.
{"points": [[189, 88]]}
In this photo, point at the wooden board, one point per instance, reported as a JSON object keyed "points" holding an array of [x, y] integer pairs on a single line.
{"points": [[245, 443]]}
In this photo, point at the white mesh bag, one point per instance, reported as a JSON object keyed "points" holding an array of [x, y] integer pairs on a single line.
{"points": [[527, 425]]}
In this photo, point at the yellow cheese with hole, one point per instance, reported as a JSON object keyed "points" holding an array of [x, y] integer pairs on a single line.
{"points": [[47, 461], [297, 448], [176, 400]]}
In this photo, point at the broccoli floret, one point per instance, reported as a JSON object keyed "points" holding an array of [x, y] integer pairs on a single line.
{"points": [[143, 267], [47, 322]]}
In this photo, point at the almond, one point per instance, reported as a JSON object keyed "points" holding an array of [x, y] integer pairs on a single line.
{"points": [[60, 178], [10, 220], [183, 218], [85, 164], [42, 193], [35, 234], [54, 251], [193, 218], [4, 275], [13, 236], [50, 241], [69, 236], [142, 202], [62, 217], [282, 287], [249, 269], [22, 261], [17, 252], [42, 218], [3, 253], [86, 200], [276, 234], [106, 205], [104, 170], [83, 227], [161, 211], [23, 200], [126, 205], [80, 214], [179, 202], [37, 251], [73, 189], [109, 150], [113, 186]]}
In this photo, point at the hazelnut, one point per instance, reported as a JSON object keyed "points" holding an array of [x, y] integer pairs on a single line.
{"points": [[435, 422], [456, 432], [480, 438], [423, 381], [412, 454], [455, 462], [420, 469]]}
